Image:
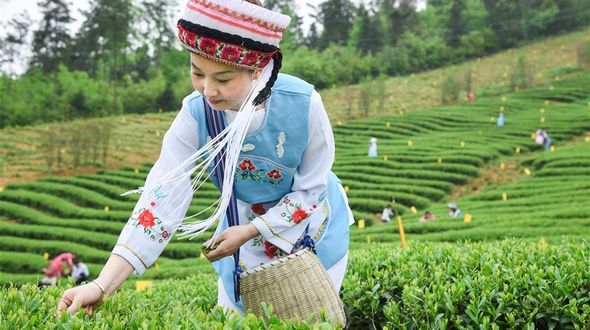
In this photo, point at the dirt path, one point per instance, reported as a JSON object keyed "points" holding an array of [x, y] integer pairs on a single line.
{"points": [[495, 174]]}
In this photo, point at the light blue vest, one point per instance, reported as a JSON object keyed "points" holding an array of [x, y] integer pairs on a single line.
{"points": [[269, 156]]}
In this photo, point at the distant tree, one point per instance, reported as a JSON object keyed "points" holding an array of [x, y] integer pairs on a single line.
{"points": [[336, 17], [11, 46], [372, 39], [167, 101], [139, 62], [102, 45], [536, 16], [360, 20], [103, 40], [456, 23], [293, 36], [51, 42], [505, 20], [157, 15], [312, 39], [366, 33], [571, 14], [513, 21], [400, 17]]}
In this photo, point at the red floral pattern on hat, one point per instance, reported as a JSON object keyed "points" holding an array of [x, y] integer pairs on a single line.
{"points": [[264, 61], [250, 58], [230, 53], [208, 46]]}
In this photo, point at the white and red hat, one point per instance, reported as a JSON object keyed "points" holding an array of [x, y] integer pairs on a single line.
{"points": [[236, 33]]}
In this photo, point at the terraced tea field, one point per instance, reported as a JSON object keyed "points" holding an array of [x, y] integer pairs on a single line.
{"points": [[552, 202], [514, 276], [423, 155]]}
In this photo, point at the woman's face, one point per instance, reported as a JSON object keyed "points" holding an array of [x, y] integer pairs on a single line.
{"points": [[223, 86]]}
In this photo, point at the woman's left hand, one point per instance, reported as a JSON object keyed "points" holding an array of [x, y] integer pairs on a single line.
{"points": [[230, 240]]}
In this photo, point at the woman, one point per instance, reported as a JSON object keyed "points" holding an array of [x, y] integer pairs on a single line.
{"points": [[278, 149]]}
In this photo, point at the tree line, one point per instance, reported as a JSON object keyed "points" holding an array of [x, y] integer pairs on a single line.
{"points": [[125, 59]]}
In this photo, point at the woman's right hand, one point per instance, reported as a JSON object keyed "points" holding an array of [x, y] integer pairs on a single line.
{"points": [[88, 297]]}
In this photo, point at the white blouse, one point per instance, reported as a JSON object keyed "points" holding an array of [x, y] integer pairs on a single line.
{"points": [[141, 246]]}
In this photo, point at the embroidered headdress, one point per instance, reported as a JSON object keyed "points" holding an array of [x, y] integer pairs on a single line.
{"points": [[239, 34], [235, 33]]}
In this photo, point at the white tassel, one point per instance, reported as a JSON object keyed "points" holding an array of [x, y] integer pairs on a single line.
{"points": [[136, 191], [232, 137]]}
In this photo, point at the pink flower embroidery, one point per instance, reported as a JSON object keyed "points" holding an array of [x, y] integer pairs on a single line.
{"points": [[146, 218], [246, 165], [208, 46], [230, 53], [274, 174], [299, 215], [250, 58]]}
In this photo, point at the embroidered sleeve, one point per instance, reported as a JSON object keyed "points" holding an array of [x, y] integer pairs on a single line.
{"points": [[157, 214], [283, 224]]}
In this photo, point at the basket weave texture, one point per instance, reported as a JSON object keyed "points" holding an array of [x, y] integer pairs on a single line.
{"points": [[297, 286]]}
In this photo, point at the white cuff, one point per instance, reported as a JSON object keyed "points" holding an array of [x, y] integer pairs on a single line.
{"points": [[132, 257]]}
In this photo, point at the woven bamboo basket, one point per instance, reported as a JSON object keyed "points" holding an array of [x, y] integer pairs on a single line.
{"points": [[297, 286]]}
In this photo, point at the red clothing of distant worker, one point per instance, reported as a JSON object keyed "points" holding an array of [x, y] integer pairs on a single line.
{"points": [[55, 265]]}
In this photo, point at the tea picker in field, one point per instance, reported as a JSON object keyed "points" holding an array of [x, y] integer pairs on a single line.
{"points": [[386, 214], [427, 216], [501, 120], [541, 137], [454, 211], [372, 147], [274, 156], [55, 269], [80, 271]]}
